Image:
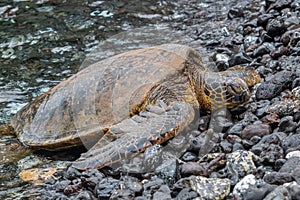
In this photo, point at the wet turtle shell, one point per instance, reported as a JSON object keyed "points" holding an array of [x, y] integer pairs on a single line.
{"points": [[126, 103]]}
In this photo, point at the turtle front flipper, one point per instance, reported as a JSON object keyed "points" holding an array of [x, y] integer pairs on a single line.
{"points": [[156, 125]]}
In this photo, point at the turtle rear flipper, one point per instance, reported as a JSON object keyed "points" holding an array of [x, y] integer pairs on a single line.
{"points": [[154, 126]]}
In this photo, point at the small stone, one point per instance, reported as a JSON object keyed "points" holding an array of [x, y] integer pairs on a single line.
{"points": [[263, 103], [236, 129], [152, 186], [278, 52], [162, 193], [186, 194], [36, 175], [74, 187], [293, 154], [188, 157], [133, 184], [251, 188], [222, 61], [237, 146], [288, 37], [290, 165], [89, 177], [283, 108], [281, 4], [250, 42], [280, 192], [72, 173], [294, 189], [235, 12], [275, 85], [287, 124], [271, 119], [296, 174], [234, 139], [208, 188], [255, 130], [242, 186], [168, 171], [85, 195], [265, 48], [106, 187], [291, 143], [226, 146], [241, 162], [279, 163], [263, 19], [278, 178], [122, 194], [239, 58], [269, 148], [275, 27], [192, 168], [61, 185]]}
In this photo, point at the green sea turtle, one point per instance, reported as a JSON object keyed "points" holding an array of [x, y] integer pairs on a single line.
{"points": [[126, 103]]}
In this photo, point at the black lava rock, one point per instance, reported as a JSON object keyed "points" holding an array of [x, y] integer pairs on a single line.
{"points": [[275, 85]]}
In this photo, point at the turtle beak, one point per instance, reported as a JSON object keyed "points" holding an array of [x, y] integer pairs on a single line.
{"points": [[241, 97]]}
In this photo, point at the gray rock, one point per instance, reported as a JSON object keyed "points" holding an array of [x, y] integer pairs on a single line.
{"points": [[168, 171], [265, 48], [162, 193], [255, 130], [250, 188], [186, 194], [278, 178], [287, 124], [240, 162], [275, 85], [208, 188], [280, 192]]}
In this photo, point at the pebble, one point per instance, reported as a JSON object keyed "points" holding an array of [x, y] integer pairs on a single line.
{"points": [[291, 164], [280, 192], [239, 58], [152, 186], [208, 188], [272, 120], [264, 48], [122, 194], [236, 129], [291, 143], [269, 148], [287, 124], [275, 27], [255, 130], [191, 168], [186, 194], [294, 190], [106, 187], [275, 85], [278, 178], [240, 162], [283, 108], [251, 188], [293, 154], [168, 171], [162, 193]]}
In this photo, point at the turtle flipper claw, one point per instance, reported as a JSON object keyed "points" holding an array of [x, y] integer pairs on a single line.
{"points": [[137, 135]]}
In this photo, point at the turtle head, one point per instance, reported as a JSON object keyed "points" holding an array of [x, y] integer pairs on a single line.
{"points": [[235, 92], [217, 91]]}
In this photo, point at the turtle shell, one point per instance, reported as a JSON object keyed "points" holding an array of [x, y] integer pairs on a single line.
{"points": [[82, 108]]}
